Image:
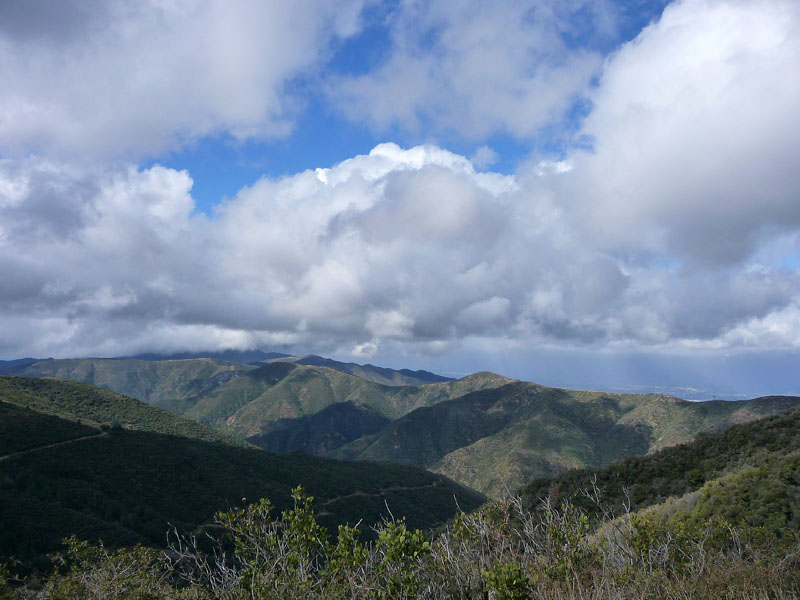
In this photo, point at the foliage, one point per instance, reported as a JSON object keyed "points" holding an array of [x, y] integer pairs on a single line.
{"points": [[399, 553], [501, 552], [276, 558], [88, 572]]}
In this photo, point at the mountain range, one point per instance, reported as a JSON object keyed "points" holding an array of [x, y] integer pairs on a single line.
{"points": [[257, 357], [495, 440], [485, 431]]}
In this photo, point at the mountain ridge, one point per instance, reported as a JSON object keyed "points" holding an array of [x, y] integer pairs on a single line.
{"points": [[496, 439], [486, 431]]}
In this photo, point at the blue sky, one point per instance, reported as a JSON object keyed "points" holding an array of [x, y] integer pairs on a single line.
{"points": [[597, 192], [320, 136]]}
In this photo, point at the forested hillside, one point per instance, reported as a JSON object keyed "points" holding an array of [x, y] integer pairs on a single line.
{"points": [[305, 390], [754, 463], [495, 440], [485, 431], [247, 398], [77, 460]]}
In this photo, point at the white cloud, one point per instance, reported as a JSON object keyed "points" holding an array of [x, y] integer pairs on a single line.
{"points": [[138, 79], [365, 350], [316, 259], [777, 329], [694, 122], [485, 314], [475, 68], [388, 324], [484, 157], [672, 233]]}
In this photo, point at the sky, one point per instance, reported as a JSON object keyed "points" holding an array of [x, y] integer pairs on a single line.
{"points": [[579, 193]]}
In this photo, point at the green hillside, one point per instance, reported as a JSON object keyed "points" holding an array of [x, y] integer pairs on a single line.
{"points": [[369, 372], [217, 405], [22, 429], [766, 496], [734, 537], [59, 477], [169, 384], [94, 406], [249, 403], [498, 439], [742, 455], [716, 517]]}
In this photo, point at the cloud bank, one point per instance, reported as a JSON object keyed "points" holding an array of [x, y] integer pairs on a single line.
{"points": [[679, 228]]}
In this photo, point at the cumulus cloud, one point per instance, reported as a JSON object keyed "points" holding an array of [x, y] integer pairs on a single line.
{"points": [[137, 79], [673, 231], [693, 125], [314, 259]]}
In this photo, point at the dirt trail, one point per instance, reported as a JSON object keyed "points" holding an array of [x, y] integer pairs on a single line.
{"points": [[397, 488], [85, 437]]}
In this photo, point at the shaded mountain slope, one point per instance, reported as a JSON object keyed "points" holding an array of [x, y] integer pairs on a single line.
{"points": [[321, 432], [59, 477], [500, 438], [22, 429], [173, 385], [11, 367]]}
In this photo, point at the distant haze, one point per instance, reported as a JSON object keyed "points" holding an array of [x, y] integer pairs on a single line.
{"points": [[695, 376]]}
